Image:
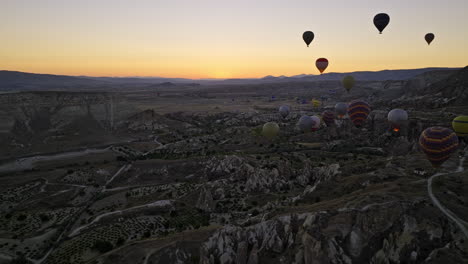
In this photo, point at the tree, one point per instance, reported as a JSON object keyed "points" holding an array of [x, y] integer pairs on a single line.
{"points": [[102, 246]]}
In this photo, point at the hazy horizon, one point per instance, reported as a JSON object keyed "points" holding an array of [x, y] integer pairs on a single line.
{"points": [[259, 77], [221, 39]]}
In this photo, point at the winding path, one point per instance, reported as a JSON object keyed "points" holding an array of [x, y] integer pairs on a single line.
{"points": [[460, 223]]}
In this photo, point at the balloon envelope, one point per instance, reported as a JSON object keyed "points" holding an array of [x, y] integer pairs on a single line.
{"points": [[315, 103], [460, 125], [308, 36], [429, 38], [397, 117], [270, 130], [348, 82], [328, 117], [341, 109], [358, 111], [317, 122], [321, 64], [381, 21], [438, 143], [306, 123], [284, 111]]}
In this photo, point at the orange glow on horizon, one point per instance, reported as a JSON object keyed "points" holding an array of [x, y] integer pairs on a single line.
{"points": [[227, 39]]}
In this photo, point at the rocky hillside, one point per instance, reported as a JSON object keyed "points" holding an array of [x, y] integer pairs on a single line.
{"points": [[432, 90]]}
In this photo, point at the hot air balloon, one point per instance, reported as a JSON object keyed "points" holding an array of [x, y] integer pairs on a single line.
{"points": [[306, 123], [438, 143], [284, 111], [429, 38], [321, 64], [348, 82], [328, 117], [270, 130], [358, 111], [315, 103], [317, 122], [397, 117], [308, 36], [381, 21], [341, 109], [460, 126]]}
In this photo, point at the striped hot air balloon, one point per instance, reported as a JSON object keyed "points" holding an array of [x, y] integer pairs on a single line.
{"points": [[460, 126], [328, 117], [358, 112], [438, 143]]}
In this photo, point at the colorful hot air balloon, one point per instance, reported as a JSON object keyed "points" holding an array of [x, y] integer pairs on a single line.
{"points": [[270, 130], [397, 117], [315, 103], [348, 82], [438, 143], [429, 38], [341, 109], [460, 126], [317, 122], [306, 123], [381, 21], [308, 36], [284, 111], [358, 111], [328, 117], [321, 64]]}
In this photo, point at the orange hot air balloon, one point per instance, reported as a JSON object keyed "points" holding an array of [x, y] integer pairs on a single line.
{"points": [[321, 64]]}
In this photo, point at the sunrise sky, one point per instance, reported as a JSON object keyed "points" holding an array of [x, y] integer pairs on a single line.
{"points": [[227, 38]]}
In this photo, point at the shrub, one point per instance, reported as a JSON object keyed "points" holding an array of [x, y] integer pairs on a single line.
{"points": [[44, 217], [21, 217], [120, 241]]}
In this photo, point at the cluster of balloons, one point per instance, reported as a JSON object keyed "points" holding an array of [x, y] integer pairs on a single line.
{"points": [[438, 143], [381, 21]]}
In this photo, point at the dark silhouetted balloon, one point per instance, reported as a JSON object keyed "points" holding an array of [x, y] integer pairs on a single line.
{"points": [[381, 21], [348, 82], [438, 143], [308, 36], [328, 117], [429, 38], [358, 111], [321, 64]]}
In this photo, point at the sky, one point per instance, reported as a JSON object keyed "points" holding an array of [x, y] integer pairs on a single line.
{"points": [[227, 39]]}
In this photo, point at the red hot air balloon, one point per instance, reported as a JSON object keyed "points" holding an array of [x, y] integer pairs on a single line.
{"points": [[328, 117], [358, 112], [438, 143], [321, 64]]}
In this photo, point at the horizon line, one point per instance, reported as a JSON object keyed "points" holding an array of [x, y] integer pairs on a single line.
{"points": [[219, 79]]}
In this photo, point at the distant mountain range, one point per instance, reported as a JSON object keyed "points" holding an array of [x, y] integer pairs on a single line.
{"points": [[12, 80]]}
